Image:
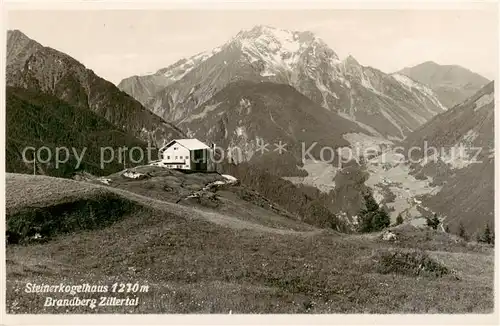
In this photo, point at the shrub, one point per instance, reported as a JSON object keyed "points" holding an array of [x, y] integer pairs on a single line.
{"points": [[412, 263], [461, 231], [433, 222]]}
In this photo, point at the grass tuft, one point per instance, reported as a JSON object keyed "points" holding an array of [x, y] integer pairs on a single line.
{"points": [[411, 263]]}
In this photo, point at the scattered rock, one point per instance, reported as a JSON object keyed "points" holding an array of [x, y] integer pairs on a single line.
{"points": [[204, 198], [389, 236], [230, 178], [213, 185], [134, 175], [104, 180], [37, 236]]}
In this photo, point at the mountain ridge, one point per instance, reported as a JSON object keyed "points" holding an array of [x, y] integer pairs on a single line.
{"points": [[452, 83], [31, 65]]}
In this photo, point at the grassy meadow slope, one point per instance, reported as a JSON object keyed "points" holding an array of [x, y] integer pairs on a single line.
{"points": [[197, 261]]}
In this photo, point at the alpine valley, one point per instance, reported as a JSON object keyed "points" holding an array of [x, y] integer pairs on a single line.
{"points": [[267, 85]]}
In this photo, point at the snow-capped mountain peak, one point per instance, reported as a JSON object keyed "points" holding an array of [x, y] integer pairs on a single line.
{"points": [[267, 38], [279, 35], [280, 50], [351, 61]]}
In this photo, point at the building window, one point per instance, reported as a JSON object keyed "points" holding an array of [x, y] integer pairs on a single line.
{"points": [[187, 157], [176, 157], [168, 157], [175, 148]]}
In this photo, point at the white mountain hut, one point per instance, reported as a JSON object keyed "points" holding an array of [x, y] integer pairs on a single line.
{"points": [[186, 154]]}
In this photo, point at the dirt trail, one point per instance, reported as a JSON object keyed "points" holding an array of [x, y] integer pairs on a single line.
{"points": [[217, 218], [236, 223]]}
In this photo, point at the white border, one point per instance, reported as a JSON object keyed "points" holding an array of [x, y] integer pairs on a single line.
{"points": [[246, 4]]}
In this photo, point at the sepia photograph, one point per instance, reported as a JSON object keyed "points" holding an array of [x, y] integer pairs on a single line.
{"points": [[255, 160]]}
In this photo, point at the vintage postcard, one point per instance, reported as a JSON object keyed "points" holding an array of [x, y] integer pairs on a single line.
{"points": [[225, 162]]}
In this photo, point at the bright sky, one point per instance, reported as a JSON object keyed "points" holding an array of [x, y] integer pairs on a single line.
{"points": [[118, 44]]}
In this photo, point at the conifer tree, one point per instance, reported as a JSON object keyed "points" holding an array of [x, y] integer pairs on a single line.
{"points": [[399, 219], [487, 234], [372, 217], [435, 222], [461, 231], [381, 220], [366, 214]]}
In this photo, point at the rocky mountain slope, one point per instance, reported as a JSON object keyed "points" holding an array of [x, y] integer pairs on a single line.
{"points": [[144, 88], [31, 65], [36, 120], [382, 104], [452, 84], [247, 115], [464, 165]]}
